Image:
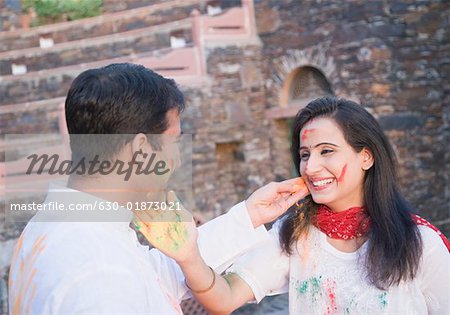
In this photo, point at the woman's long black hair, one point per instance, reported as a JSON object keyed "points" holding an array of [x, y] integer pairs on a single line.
{"points": [[394, 243]]}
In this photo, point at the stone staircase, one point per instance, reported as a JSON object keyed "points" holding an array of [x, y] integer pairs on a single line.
{"points": [[32, 98], [30, 73], [87, 50], [106, 24]]}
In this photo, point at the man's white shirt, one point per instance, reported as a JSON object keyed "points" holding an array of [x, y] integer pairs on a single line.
{"points": [[101, 268]]}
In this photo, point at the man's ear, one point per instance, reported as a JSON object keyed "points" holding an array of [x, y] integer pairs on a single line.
{"points": [[139, 144], [367, 159]]}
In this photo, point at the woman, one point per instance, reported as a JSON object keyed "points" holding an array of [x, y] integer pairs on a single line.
{"points": [[353, 247]]}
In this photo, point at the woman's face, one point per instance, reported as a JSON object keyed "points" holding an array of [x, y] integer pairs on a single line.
{"points": [[332, 169]]}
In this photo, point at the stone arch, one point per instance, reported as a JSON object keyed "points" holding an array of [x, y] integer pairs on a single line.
{"points": [[303, 85], [315, 56]]}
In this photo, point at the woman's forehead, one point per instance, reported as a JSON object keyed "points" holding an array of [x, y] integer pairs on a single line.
{"points": [[320, 129]]}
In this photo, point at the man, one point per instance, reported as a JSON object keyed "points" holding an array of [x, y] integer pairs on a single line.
{"points": [[63, 267]]}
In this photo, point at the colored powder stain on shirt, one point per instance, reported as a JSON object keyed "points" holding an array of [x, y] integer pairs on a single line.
{"points": [[303, 287], [21, 297], [331, 289], [382, 299], [350, 306], [311, 286]]}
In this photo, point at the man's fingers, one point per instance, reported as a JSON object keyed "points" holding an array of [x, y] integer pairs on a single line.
{"points": [[298, 195], [293, 181], [145, 215], [291, 185], [287, 188]]}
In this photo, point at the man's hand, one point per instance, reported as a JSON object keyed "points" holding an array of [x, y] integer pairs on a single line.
{"points": [[270, 201], [173, 232]]}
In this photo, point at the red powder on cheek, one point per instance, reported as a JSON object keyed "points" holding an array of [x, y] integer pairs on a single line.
{"points": [[341, 178], [305, 133]]}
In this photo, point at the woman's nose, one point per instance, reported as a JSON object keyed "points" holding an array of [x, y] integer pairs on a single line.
{"points": [[312, 165]]}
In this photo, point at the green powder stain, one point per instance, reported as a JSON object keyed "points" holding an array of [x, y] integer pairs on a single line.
{"points": [[351, 305], [176, 228], [315, 288], [311, 286], [382, 299], [315, 282], [303, 287]]}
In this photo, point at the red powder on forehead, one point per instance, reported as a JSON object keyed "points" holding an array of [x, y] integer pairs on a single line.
{"points": [[344, 169], [305, 133]]}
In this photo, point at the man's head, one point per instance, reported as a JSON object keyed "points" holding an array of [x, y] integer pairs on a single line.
{"points": [[121, 99], [128, 100]]}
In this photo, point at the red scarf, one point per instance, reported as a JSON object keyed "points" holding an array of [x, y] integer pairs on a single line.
{"points": [[355, 222]]}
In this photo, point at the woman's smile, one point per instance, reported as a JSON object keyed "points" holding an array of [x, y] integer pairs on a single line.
{"points": [[319, 184]]}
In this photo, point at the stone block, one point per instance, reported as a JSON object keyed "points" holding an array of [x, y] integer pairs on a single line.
{"points": [[401, 121]]}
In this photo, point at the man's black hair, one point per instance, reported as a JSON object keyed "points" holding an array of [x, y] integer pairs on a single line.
{"points": [[120, 99]]}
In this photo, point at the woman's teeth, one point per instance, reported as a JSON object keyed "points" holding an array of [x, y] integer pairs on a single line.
{"points": [[322, 182]]}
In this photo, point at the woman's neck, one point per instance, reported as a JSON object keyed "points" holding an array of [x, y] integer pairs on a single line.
{"points": [[336, 207]]}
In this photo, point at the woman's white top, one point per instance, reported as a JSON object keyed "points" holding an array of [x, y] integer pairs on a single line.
{"points": [[323, 280]]}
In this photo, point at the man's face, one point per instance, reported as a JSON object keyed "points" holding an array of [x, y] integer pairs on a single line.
{"points": [[171, 138], [169, 155]]}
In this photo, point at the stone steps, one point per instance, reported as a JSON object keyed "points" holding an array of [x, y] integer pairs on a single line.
{"points": [[44, 116], [102, 25], [53, 69], [55, 82], [97, 48]]}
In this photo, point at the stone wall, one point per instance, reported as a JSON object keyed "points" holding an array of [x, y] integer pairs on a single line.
{"points": [[231, 139], [392, 56]]}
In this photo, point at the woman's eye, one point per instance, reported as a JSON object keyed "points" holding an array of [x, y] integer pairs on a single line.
{"points": [[326, 151], [304, 156]]}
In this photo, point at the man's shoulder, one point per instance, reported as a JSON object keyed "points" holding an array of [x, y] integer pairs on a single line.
{"points": [[66, 243], [64, 230]]}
